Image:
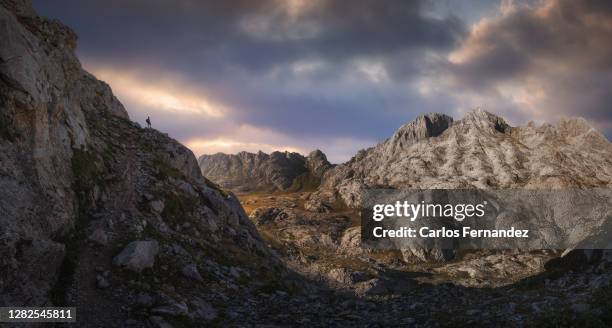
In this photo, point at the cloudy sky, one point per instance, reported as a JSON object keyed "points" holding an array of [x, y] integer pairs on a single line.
{"points": [[341, 75]]}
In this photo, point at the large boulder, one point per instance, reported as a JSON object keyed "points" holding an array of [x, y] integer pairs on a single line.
{"points": [[138, 255]]}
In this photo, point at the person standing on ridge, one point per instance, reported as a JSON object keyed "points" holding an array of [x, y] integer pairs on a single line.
{"points": [[148, 122]]}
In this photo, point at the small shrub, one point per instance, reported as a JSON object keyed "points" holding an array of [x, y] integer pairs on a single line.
{"points": [[84, 169], [7, 130], [165, 170]]}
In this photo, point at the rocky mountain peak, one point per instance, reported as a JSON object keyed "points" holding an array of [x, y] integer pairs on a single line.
{"points": [[484, 119], [246, 172], [317, 155], [21, 8], [284, 155], [424, 126], [479, 151], [578, 126], [317, 163]]}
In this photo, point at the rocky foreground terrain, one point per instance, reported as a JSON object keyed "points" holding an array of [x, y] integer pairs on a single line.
{"points": [[277, 171], [99, 213]]}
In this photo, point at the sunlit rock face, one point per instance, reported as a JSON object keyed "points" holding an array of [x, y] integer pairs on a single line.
{"points": [[277, 171], [479, 151]]}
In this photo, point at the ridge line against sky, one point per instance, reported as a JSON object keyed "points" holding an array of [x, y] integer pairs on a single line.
{"points": [[298, 75]]}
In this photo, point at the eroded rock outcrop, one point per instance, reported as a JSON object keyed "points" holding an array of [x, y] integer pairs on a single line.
{"points": [[277, 171], [138, 255]]}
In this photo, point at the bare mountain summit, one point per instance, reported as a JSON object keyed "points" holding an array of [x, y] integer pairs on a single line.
{"points": [[479, 151], [277, 171]]}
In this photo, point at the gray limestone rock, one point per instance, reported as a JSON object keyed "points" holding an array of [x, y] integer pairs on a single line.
{"points": [[202, 310], [248, 172], [479, 151], [191, 271], [138, 255]]}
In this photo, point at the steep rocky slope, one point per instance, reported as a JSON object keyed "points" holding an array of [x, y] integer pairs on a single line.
{"points": [[278, 171], [98, 213]]}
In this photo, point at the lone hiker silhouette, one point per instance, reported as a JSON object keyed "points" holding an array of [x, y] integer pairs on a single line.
{"points": [[148, 122]]}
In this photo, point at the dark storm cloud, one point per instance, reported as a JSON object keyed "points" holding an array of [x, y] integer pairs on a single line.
{"points": [[316, 73], [559, 54], [203, 34], [228, 48]]}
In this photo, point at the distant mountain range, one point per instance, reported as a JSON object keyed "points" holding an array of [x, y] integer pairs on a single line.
{"points": [[278, 171], [434, 151]]}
